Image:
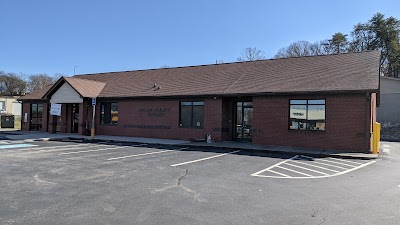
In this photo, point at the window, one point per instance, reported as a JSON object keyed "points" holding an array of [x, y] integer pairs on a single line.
{"points": [[109, 113], [307, 114], [2, 105], [191, 114]]}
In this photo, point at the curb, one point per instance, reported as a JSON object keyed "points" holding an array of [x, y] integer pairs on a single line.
{"points": [[89, 140], [292, 153], [270, 151]]}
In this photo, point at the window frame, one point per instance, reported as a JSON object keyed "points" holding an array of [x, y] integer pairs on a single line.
{"points": [[102, 122], [306, 104], [192, 105]]}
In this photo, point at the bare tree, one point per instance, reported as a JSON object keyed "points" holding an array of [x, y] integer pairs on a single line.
{"points": [[12, 84], [300, 48], [39, 81], [57, 76], [251, 54]]}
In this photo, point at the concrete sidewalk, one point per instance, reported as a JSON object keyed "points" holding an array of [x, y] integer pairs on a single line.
{"points": [[44, 136]]}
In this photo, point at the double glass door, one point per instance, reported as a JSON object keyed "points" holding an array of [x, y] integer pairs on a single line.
{"points": [[243, 120], [75, 118], [36, 116]]}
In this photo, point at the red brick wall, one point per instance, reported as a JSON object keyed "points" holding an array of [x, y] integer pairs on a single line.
{"points": [[133, 122], [45, 115], [346, 123], [26, 108]]}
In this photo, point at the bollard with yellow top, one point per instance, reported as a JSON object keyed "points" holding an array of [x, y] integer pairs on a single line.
{"points": [[376, 138]]}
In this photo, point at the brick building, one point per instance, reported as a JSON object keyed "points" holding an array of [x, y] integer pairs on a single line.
{"points": [[323, 102]]}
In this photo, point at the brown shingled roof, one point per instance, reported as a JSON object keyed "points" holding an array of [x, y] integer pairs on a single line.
{"points": [[35, 95], [86, 88], [330, 73]]}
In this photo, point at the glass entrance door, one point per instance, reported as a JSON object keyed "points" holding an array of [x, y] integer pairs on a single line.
{"points": [[36, 116], [75, 118], [243, 117]]}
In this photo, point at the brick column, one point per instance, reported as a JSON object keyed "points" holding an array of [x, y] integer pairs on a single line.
{"points": [[213, 118], [25, 109], [45, 113], [64, 118], [52, 124], [82, 118]]}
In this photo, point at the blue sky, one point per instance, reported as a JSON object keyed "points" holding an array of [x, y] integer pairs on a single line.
{"points": [[48, 36]]}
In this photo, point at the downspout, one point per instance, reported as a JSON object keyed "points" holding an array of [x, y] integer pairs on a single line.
{"points": [[368, 120]]}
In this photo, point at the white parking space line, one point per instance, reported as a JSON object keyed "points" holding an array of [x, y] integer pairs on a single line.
{"points": [[50, 147], [282, 174], [295, 166], [211, 157], [386, 150], [308, 164], [262, 171], [294, 171], [344, 164], [149, 153], [326, 164], [342, 160], [93, 150], [47, 149], [63, 149], [304, 168], [104, 149]]}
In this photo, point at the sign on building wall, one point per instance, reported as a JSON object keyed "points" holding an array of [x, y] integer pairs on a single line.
{"points": [[55, 109]]}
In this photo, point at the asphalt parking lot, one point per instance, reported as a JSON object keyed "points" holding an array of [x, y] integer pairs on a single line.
{"points": [[101, 183]]}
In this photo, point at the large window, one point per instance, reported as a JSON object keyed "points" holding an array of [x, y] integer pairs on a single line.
{"points": [[307, 114], [191, 114], [109, 113]]}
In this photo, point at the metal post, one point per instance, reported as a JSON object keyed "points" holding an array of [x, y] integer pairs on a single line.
{"points": [[92, 131]]}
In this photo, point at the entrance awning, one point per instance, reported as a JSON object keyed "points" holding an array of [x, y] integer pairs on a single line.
{"points": [[73, 90]]}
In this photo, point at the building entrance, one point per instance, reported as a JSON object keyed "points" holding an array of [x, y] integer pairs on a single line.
{"points": [[243, 121], [75, 118], [36, 116]]}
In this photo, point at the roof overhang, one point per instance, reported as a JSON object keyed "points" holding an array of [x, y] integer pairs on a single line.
{"points": [[56, 86]]}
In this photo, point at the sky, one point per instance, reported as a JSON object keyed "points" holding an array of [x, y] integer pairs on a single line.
{"points": [[48, 36]]}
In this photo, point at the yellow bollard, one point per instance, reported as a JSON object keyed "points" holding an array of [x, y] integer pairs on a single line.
{"points": [[376, 138], [92, 133]]}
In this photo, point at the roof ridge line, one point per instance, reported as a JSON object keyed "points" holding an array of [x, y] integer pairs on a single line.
{"points": [[227, 63]]}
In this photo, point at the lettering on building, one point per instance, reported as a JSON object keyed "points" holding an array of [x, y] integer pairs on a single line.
{"points": [[156, 127], [158, 112]]}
